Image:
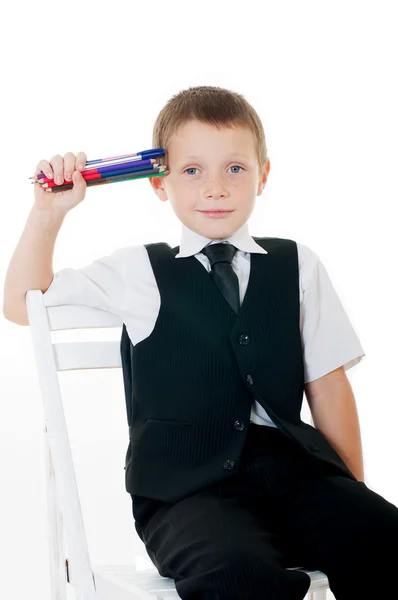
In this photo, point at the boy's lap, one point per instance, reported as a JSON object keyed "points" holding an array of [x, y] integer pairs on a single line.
{"points": [[333, 514], [209, 531]]}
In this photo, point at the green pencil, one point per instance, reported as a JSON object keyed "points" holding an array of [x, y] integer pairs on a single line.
{"points": [[105, 180]]}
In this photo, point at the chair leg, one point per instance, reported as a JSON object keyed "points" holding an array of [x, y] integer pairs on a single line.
{"points": [[317, 595], [54, 532]]}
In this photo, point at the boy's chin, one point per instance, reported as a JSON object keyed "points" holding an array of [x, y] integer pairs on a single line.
{"points": [[212, 228]]}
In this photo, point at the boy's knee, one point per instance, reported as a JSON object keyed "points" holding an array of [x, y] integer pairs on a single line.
{"points": [[244, 573]]}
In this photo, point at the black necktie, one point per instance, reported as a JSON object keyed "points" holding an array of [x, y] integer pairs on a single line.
{"points": [[222, 273]]}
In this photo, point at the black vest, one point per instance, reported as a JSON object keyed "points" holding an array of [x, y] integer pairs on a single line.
{"points": [[190, 385]]}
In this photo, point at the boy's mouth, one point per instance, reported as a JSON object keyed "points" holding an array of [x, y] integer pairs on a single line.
{"points": [[216, 213]]}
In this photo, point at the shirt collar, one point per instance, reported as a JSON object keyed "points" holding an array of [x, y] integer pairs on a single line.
{"points": [[192, 243]]}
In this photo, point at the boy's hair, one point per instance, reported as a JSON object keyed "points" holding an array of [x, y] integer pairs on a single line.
{"points": [[213, 105]]}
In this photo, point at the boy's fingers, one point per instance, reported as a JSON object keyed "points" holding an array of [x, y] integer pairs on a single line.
{"points": [[81, 159], [57, 163], [44, 166], [69, 165]]}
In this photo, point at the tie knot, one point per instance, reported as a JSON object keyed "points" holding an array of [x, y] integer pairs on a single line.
{"points": [[219, 253]]}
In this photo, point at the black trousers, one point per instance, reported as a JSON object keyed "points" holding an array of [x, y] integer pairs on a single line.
{"points": [[236, 539]]}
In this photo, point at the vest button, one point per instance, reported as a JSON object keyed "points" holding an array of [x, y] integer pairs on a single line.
{"points": [[249, 379], [239, 425], [229, 464], [244, 340]]}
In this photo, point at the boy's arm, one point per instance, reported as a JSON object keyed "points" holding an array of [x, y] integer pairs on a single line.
{"points": [[334, 412], [31, 264]]}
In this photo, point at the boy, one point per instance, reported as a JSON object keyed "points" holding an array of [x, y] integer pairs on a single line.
{"points": [[221, 336]]}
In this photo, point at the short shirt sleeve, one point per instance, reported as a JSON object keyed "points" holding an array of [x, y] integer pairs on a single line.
{"points": [[101, 284], [328, 337]]}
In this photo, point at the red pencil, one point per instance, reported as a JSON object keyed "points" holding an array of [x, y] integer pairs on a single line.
{"points": [[46, 182]]}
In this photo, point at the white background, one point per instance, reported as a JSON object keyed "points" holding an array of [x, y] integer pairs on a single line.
{"points": [[93, 77]]}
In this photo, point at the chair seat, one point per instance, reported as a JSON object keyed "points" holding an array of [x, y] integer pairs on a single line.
{"points": [[125, 582]]}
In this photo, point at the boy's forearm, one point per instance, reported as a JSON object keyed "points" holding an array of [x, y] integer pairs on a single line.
{"points": [[337, 419], [31, 263]]}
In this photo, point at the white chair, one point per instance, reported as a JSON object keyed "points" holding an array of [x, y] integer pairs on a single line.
{"points": [[73, 569]]}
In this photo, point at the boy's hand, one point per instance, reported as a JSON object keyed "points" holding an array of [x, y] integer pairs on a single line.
{"points": [[62, 170]]}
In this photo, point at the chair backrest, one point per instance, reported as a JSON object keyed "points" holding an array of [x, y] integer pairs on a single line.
{"points": [[50, 358]]}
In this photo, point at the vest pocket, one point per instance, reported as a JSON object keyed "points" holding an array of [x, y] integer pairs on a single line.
{"points": [[167, 422]]}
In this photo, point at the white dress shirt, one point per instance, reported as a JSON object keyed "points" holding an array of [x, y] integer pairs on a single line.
{"points": [[123, 284]]}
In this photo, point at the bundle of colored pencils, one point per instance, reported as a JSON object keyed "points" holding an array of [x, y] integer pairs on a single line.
{"points": [[111, 170]]}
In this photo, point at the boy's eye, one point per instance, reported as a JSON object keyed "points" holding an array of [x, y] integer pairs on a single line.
{"points": [[194, 168]]}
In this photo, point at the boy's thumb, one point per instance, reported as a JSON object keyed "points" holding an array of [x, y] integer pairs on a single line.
{"points": [[77, 177]]}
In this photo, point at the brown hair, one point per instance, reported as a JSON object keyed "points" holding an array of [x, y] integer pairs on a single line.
{"points": [[213, 105]]}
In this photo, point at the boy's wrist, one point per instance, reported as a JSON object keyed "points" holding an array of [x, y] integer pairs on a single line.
{"points": [[46, 219]]}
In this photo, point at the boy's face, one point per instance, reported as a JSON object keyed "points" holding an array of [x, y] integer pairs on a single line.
{"points": [[223, 174]]}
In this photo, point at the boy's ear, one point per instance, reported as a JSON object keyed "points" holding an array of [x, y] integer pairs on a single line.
{"points": [[264, 176], [158, 187]]}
